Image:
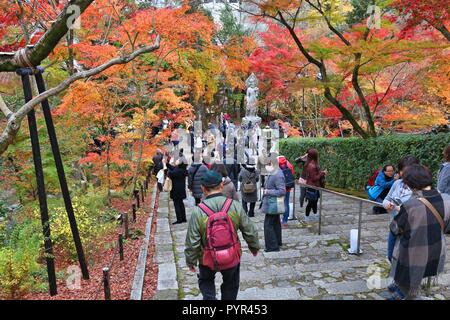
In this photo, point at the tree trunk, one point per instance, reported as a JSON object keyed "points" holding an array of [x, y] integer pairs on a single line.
{"points": [[70, 58]]}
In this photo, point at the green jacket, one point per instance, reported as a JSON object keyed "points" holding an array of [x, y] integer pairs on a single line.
{"points": [[196, 233]]}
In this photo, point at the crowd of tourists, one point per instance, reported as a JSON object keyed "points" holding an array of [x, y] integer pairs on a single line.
{"points": [[226, 197]]}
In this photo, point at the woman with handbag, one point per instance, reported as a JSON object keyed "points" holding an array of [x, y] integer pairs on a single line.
{"points": [[273, 206], [314, 176], [249, 177], [420, 227]]}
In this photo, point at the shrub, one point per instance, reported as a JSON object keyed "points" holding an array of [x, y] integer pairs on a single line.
{"points": [[350, 161], [92, 224], [19, 262]]}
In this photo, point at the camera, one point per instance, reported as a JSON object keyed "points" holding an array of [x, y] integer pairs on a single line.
{"points": [[397, 201], [301, 159]]}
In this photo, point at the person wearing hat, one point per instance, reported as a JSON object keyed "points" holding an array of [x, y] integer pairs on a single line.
{"points": [[212, 187], [249, 177]]}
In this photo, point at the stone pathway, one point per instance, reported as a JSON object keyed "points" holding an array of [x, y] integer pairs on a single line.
{"points": [[309, 266]]}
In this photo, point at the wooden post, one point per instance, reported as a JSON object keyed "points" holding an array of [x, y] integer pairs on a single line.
{"points": [[121, 246], [62, 177], [134, 212], [125, 223], [39, 173], [106, 285]]}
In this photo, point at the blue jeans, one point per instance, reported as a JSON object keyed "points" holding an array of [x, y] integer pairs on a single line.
{"points": [[391, 243], [286, 207]]}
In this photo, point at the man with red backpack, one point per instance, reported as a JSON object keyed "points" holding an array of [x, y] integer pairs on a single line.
{"points": [[212, 240]]}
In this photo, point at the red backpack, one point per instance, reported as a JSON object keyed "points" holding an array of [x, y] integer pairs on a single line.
{"points": [[372, 178], [223, 250]]}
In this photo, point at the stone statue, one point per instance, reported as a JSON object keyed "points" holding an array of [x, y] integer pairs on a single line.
{"points": [[252, 95], [251, 98]]}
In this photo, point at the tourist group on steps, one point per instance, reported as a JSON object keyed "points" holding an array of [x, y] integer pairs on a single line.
{"points": [[227, 188]]}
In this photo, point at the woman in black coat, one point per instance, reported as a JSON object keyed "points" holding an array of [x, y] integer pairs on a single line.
{"points": [[178, 174]]}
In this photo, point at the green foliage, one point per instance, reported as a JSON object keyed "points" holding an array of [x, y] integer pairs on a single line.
{"points": [[350, 161], [19, 262], [231, 28], [3, 210], [92, 220], [360, 8]]}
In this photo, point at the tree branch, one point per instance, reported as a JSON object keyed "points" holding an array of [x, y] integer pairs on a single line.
{"points": [[298, 42], [330, 26], [10, 61], [441, 28], [4, 108], [389, 87], [16, 118]]}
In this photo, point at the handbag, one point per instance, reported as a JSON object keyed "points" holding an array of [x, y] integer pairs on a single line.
{"points": [[312, 194], [275, 205], [249, 186], [167, 185]]}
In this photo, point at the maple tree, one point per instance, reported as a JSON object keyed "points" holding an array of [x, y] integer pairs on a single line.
{"points": [[430, 13], [357, 68]]}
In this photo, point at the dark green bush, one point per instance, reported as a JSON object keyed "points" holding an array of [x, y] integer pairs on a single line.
{"points": [[350, 161]]}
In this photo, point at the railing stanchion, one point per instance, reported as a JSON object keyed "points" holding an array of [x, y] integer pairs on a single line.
{"points": [[359, 228], [125, 224], [106, 286], [121, 246], [320, 213]]}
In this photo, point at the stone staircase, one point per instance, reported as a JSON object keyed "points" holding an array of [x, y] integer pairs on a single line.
{"points": [[309, 266]]}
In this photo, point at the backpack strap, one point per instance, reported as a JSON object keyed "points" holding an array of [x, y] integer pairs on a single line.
{"points": [[204, 207], [434, 211], [226, 205]]}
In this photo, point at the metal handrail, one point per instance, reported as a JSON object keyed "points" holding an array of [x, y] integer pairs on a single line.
{"points": [[361, 201], [342, 194]]}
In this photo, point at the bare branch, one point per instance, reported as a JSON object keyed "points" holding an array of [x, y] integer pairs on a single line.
{"points": [[16, 118], [4, 108], [389, 86]]}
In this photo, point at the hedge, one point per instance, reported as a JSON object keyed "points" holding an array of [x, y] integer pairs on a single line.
{"points": [[350, 161]]}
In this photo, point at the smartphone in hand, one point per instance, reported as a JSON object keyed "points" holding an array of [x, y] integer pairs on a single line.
{"points": [[397, 201]]}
